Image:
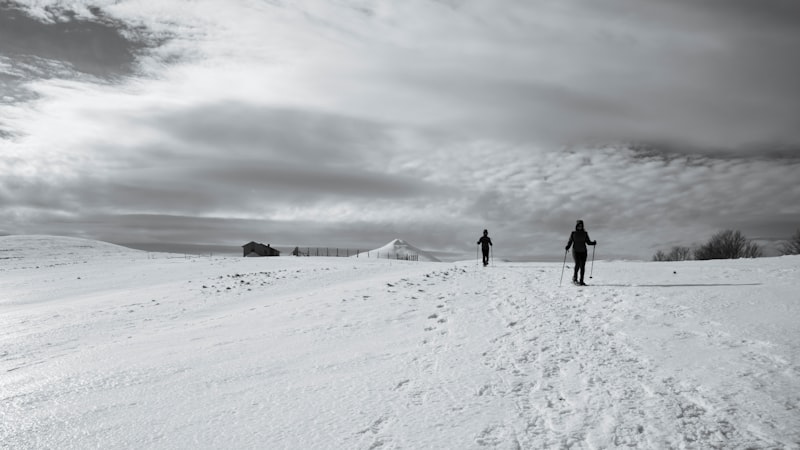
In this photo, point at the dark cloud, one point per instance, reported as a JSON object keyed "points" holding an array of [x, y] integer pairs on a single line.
{"points": [[698, 155], [151, 228], [234, 158], [34, 193], [237, 128], [764, 16], [96, 47], [319, 182], [234, 152], [699, 74], [256, 188], [66, 46]]}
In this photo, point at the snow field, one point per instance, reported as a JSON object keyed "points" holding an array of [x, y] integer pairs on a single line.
{"points": [[102, 346]]}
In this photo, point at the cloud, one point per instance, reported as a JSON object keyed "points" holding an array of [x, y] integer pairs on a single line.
{"points": [[632, 203], [237, 128], [672, 72], [94, 47], [349, 120]]}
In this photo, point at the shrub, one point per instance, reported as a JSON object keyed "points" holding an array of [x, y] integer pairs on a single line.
{"points": [[677, 253], [728, 244], [793, 246]]}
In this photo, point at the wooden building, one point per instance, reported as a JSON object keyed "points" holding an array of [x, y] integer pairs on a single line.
{"points": [[257, 249]]}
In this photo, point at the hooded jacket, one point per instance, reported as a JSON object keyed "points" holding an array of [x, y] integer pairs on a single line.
{"points": [[485, 242], [580, 238]]}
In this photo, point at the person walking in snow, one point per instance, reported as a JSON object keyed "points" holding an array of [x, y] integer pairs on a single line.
{"points": [[485, 241], [578, 240]]}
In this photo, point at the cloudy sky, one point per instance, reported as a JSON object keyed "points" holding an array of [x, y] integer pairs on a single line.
{"points": [[350, 122]]}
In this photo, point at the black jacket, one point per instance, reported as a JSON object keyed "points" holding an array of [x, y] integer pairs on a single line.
{"points": [[580, 238]]}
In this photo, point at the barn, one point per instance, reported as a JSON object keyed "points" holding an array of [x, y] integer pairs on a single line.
{"points": [[253, 248]]}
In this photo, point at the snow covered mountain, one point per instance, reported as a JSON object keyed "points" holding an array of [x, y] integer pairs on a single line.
{"points": [[104, 347], [400, 249]]}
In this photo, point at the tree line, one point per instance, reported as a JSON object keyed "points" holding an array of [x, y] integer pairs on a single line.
{"points": [[726, 244]]}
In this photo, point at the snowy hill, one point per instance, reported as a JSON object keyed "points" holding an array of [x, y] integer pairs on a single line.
{"points": [[20, 246], [132, 350], [48, 250], [400, 249]]}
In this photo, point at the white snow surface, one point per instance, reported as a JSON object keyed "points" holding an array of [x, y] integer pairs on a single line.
{"points": [[399, 249], [107, 347]]}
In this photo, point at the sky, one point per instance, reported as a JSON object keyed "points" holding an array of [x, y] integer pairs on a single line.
{"points": [[348, 123]]}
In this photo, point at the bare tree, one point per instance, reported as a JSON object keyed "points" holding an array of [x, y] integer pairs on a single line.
{"points": [[680, 253], [728, 244], [752, 250], [793, 246], [676, 253]]}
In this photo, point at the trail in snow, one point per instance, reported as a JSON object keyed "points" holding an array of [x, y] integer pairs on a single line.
{"points": [[109, 348], [557, 365]]}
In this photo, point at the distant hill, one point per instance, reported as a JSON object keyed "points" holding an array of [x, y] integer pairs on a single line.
{"points": [[44, 247], [400, 249]]}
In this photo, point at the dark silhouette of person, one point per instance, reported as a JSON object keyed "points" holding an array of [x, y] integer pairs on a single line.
{"points": [[578, 240], [485, 241]]}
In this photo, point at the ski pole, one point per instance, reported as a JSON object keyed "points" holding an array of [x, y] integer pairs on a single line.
{"points": [[477, 257], [562, 267], [591, 271], [491, 254]]}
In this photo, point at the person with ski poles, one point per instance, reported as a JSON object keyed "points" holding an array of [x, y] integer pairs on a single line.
{"points": [[485, 241], [578, 240]]}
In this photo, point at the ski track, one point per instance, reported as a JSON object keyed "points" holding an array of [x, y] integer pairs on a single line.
{"points": [[471, 357], [566, 377]]}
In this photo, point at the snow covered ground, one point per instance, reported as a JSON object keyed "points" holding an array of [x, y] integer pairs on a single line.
{"points": [[107, 347], [399, 249]]}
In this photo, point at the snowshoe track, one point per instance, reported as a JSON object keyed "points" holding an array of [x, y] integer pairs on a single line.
{"points": [[553, 362]]}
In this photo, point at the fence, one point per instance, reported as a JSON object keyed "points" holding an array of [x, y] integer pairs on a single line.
{"points": [[346, 253]]}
